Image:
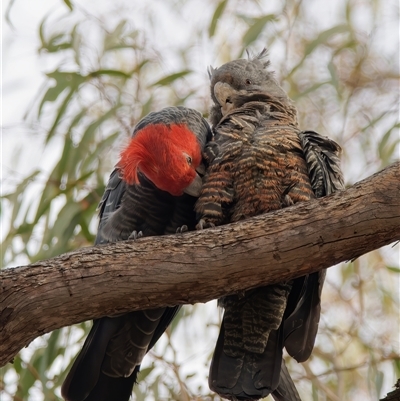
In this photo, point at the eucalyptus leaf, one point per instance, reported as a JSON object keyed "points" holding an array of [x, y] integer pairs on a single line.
{"points": [[216, 16], [171, 78], [255, 29]]}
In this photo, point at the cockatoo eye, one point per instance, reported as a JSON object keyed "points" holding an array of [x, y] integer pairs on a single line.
{"points": [[248, 82], [189, 160]]}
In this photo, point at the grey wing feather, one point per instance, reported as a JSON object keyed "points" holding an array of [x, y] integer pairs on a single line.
{"points": [[110, 202], [322, 157], [286, 391]]}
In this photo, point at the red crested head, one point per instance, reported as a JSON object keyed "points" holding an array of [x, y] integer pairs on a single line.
{"points": [[167, 155]]}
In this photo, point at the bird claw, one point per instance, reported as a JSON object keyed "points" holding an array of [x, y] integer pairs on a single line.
{"points": [[182, 229], [287, 201], [202, 224], [136, 235]]}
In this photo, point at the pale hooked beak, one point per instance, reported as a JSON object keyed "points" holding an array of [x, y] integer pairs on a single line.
{"points": [[223, 93], [194, 187], [201, 169]]}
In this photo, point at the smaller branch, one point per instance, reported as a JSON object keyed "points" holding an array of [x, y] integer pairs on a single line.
{"points": [[336, 369], [325, 390]]}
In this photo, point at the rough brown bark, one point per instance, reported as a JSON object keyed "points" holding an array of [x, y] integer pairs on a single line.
{"points": [[197, 266]]}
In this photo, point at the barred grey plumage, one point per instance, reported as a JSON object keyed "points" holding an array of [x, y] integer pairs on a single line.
{"points": [[259, 162], [108, 364]]}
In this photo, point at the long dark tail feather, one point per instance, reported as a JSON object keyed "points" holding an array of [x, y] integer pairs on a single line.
{"points": [[112, 388], [248, 377], [298, 288], [286, 391], [109, 355], [224, 370], [302, 325], [267, 365], [86, 369]]}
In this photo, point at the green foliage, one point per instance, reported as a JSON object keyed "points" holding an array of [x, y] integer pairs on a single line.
{"points": [[217, 14], [343, 87]]}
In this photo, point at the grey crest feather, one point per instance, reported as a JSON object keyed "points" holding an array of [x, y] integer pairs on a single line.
{"points": [[261, 55], [210, 70]]}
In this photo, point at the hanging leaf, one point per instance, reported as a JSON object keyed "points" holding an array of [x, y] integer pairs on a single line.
{"points": [[393, 269], [321, 39], [76, 43], [257, 26], [324, 36], [171, 78], [112, 73], [217, 15], [69, 4], [66, 165], [82, 149], [313, 88], [388, 145]]}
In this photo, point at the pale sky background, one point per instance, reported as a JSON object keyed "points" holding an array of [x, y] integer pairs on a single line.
{"points": [[23, 75]]}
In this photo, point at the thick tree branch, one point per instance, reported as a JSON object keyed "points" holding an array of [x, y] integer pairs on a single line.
{"points": [[197, 266]]}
